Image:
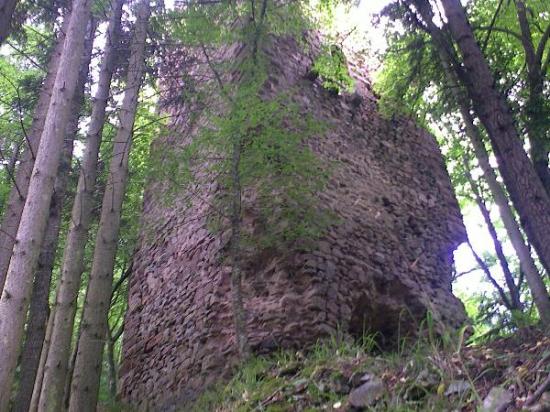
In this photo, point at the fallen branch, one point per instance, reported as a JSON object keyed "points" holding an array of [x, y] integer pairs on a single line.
{"points": [[537, 394]]}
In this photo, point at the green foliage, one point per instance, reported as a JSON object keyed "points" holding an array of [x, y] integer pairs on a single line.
{"points": [[413, 82], [226, 23], [276, 165], [405, 83], [420, 376], [18, 84], [490, 319], [278, 173], [505, 52], [259, 378], [331, 66]]}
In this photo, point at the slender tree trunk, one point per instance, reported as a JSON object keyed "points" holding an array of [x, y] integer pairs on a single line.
{"points": [[525, 188], [15, 297], [18, 193], [515, 303], [10, 166], [55, 374], [112, 363], [112, 372], [448, 59], [40, 372], [527, 264], [85, 383], [7, 7], [536, 112], [505, 300], [112, 338], [239, 314], [39, 307], [9, 162], [70, 370]]}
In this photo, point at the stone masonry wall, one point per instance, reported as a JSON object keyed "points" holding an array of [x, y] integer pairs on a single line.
{"points": [[381, 268]]}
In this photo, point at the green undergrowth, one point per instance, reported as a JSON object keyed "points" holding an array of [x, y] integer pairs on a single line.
{"points": [[430, 373], [416, 376], [426, 375]]}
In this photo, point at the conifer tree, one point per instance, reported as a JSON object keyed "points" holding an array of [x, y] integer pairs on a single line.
{"points": [[39, 307], [16, 293], [85, 382], [57, 360], [18, 193], [259, 141]]}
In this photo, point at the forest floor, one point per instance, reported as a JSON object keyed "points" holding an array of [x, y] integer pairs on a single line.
{"points": [[508, 374]]}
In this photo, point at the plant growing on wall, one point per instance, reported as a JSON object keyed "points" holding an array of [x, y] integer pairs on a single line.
{"points": [[331, 66], [253, 145]]}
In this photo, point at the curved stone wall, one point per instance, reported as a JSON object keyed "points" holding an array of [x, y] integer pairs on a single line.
{"points": [[381, 268]]}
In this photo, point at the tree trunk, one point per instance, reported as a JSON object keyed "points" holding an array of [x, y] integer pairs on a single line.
{"points": [[239, 315], [505, 300], [70, 371], [515, 303], [7, 8], [113, 378], [527, 264], [525, 188], [535, 108], [12, 162], [16, 200], [448, 60], [39, 307], [55, 374], [42, 364], [85, 383], [9, 162], [15, 297]]}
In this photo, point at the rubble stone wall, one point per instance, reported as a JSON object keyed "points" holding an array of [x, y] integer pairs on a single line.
{"points": [[384, 264]]}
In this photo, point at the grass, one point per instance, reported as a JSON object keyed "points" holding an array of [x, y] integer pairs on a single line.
{"points": [[431, 373], [275, 383], [428, 374]]}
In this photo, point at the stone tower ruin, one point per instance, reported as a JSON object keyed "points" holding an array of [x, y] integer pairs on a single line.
{"points": [[381, 268]]}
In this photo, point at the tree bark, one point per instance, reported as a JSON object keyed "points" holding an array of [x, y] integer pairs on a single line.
{"points": [[70, 371], [85, 383], [536, 106], [18, 193], [15, 297], [55, 374], [6, 13], [112, 338], [113, 378], [526, 190], [39, 306], [33, 407]]}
